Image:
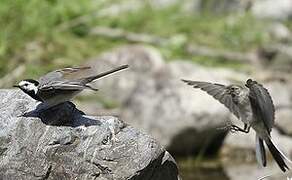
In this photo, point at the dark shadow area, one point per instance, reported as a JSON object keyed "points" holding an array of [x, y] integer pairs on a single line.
{"points": [[65, 114], [159, 169], [192, 142]]}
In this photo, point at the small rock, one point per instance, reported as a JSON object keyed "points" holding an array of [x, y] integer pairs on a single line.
{"points": [[271, 9], [279, 32]]}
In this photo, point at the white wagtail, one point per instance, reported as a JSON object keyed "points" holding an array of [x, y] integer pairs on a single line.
{"points": [[61, 85], [252, 105]]}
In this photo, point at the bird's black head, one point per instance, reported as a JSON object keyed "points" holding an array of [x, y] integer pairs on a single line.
{"points": [[30, 87], [32, 81], [250, 82]]}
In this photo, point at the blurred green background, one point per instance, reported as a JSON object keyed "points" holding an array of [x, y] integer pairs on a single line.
{"points": [[37, 36], [50, 34]]}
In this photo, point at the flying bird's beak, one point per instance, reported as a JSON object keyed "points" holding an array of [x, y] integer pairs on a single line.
{"points": [[16, 86]]}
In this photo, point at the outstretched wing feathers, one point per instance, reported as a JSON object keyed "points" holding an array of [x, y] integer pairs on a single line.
{"points": [[218, 91]]}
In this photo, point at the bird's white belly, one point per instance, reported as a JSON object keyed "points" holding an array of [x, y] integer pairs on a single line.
{"points": [[55, 100], [246, 114]]}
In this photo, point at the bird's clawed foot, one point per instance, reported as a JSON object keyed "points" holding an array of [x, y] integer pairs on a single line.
{"points": [[230, 128], [233, 128], [28, 114], [22, 115]]}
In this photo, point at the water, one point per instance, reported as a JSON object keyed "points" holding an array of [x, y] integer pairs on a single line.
{"points": [[214, 170], [201, 173], [201, 170]]}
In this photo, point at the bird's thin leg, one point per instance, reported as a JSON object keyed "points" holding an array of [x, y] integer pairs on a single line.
{"points": [[226, 127], [245, 129]]}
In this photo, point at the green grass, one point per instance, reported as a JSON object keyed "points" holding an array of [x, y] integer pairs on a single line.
{"points": [[29, 33], [226, 31], [35, 22]]}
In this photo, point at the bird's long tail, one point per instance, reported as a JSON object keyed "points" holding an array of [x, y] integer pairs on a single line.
{"points": [[92, 78], [260, 151], [277, 154]]}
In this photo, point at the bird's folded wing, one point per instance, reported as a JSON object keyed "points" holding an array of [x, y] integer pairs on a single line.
{"points": [[261, 104], [219, 92], [58, 85], [66, 74]]}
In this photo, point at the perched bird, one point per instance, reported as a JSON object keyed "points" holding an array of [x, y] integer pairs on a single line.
{"points": [[252, 105], [61, 85]]}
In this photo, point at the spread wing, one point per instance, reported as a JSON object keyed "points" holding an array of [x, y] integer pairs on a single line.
{"points": [[67, 79], [261, 103], [219, 92]]}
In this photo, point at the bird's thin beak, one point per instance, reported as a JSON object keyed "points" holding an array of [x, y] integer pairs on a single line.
{"points": [[16, 86]]}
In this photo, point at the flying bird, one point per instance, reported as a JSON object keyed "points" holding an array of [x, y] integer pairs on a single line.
{"points": [[253, 105], [61, 85]]}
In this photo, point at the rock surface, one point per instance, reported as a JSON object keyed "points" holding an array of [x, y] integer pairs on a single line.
{"points": [[279, 32], [63, 143], [271, 9]]}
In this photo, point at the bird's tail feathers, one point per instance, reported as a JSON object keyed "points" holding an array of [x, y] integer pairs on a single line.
{"points": [[277, 155], [282, 154], [92, 78], [260, 151], [90, 87]]}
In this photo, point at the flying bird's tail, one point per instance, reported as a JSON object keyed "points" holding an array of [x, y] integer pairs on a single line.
{"points": [[277, 154], [260, 151], [92, 78]]}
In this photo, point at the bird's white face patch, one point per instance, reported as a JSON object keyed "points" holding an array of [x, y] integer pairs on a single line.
{"points": [[28, 86]]}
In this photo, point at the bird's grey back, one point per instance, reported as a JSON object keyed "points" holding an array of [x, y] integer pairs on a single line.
{"points": [[64, 75], [49, 78], [261, 103]]}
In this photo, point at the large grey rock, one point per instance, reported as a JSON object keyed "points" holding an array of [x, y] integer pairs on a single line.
{"points": [[63, 143], [153, 98]]}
